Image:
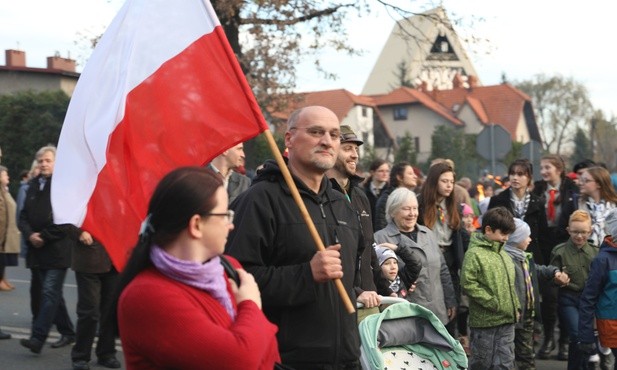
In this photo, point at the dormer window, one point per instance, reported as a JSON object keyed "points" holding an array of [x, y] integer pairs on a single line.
{"points": [[400, 113]]}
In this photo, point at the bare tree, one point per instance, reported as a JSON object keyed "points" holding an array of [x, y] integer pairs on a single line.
{"points": [[271, 38], [603, 133], [561, 105]]}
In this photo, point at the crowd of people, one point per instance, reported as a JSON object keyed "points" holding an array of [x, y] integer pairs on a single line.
{"points": [[226, 275]]}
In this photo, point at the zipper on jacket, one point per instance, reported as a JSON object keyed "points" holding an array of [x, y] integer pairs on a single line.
{"points": [[333, 292]]}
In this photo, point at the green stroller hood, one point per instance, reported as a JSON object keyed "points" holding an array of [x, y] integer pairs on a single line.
{"points": [[414, 328]]}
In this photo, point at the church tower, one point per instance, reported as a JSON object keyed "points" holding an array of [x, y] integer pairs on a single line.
{"points": [[422, 50]]}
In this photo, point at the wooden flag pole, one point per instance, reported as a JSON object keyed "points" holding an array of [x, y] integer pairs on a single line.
{"points": [[305, 215]]}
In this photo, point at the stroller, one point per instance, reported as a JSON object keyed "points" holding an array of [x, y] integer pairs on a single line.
{"points": [[408, 336]]}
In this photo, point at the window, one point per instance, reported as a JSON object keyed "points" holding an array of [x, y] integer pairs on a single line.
{"points": [[364, 112], [416, 144], [400, 113]]}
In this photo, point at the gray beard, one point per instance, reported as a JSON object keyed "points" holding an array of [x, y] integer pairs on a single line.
{"points": [[322, 165]]}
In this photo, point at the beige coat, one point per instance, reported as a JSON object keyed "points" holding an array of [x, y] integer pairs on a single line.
{"points": [[13, 236]]}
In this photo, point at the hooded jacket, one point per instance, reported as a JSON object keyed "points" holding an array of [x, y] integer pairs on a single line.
{"points": [[544, 272], [599, 298], [487, 277], [272, 242]]}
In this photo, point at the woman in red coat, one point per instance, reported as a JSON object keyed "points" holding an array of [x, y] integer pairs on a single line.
{"points": [[178, 307]]}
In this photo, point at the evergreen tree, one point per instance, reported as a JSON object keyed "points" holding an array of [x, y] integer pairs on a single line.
{"points": [[29, 121], [582, 147], [452, 143], [406, 150]]}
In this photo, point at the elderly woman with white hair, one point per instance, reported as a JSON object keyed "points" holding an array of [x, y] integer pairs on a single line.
{"points": [[434, 288]]}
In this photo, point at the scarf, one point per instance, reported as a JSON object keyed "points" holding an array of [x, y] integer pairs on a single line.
{"points": [[515, 253], [397, 287], [598, 212], [520, 257], [208, 276], [519, 206]]}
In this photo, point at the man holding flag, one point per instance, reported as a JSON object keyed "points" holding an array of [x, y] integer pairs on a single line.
{"points": [[272, 242]]}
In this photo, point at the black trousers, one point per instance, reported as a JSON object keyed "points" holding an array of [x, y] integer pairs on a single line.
{"points": [[94, 298]]}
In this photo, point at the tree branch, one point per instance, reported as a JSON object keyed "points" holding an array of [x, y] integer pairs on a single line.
{"points": [[292, 21]]}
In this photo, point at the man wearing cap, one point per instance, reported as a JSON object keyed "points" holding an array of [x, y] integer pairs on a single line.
{"points": [[344, 179], [272, 241]]}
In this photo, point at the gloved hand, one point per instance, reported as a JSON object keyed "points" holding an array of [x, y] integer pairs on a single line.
{"points": [[588, 348]]}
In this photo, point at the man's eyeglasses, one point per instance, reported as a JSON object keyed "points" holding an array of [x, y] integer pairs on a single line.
{"points": [[229, 214], [318, 132]]}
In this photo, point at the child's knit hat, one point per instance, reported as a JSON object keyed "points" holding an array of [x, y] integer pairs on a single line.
{"points": [[521, 232], [466, 209], [384, 254]]}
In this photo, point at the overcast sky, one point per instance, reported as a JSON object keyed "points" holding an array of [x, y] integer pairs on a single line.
{"points": [[527, 37]]}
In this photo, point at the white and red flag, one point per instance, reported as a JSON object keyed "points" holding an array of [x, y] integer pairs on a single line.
{"points": [[162, 89]]}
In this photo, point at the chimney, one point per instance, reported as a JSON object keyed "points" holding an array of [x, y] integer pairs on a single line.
{"points": [[15, 58], [423, 86], [63, 64], [473, 81], [458, 81]]}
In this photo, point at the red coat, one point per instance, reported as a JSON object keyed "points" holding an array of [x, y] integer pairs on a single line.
{"points": [[166, 324]]}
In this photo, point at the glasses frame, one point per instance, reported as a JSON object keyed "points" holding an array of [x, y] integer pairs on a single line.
{"points": [[319, 132], [229, 214]]}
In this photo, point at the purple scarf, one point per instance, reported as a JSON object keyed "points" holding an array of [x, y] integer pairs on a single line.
{"points": [[208, 276]]}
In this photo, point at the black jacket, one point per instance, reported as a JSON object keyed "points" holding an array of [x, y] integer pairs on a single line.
{"points": [[369, 264], [535, 217], [380, 209], [372, 200], [568, 198], [90, 259], [36, 216], [272, 241]]}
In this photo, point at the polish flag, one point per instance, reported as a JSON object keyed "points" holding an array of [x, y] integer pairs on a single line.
{"points": [[162, 89]]}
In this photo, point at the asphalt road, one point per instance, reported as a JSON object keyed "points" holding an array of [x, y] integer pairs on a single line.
{"points": [[15, 318]]}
